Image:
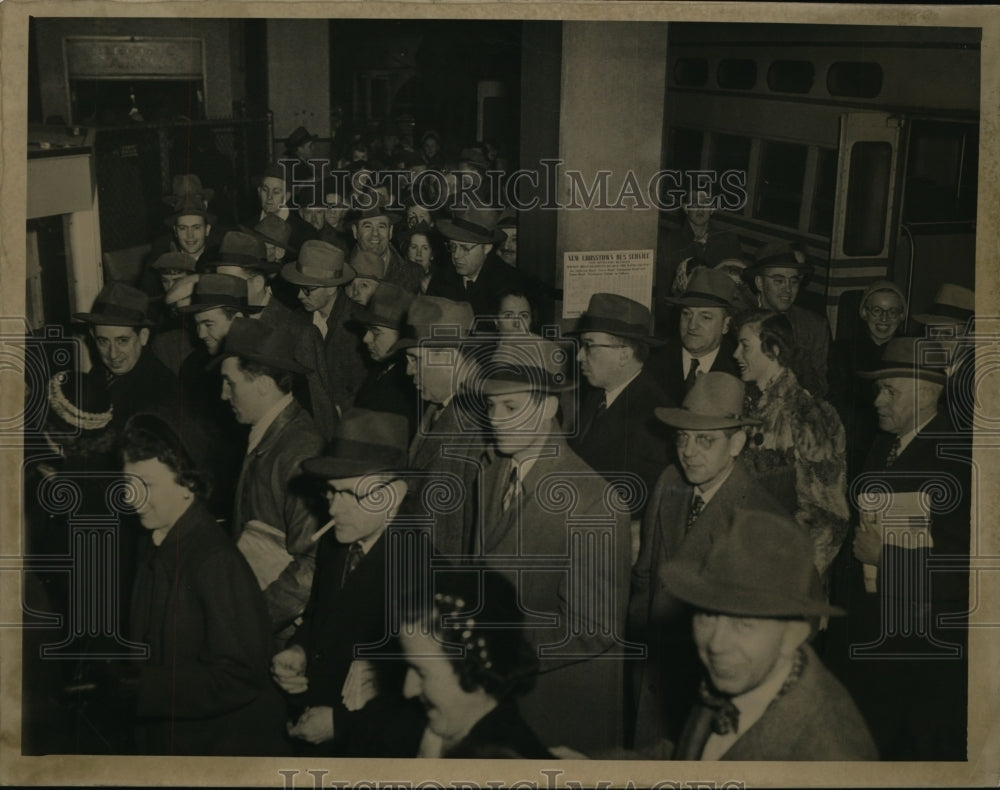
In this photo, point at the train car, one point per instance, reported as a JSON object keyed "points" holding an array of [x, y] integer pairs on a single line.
{"points": [[859, 144]]}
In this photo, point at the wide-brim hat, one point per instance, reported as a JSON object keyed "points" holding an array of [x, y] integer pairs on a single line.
{"points": [[189, 205], [177, 261], [256, 341], [118, 304], [219, 290], [434, 320], [707, 288], [953, 304], [616, 315], [272, 230], [714, 403], [365, 442], [300, 136], [246, 251], [187, 184], [320, 265], [526, 364], [762, 568], [474, 225], [387, 307], [181, 290], [911, 357], [367, 265], [777, 254], [274, 171]]}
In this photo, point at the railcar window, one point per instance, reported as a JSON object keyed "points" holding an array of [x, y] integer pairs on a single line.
{"points": [[861, 80], [867, 198], [791, 76], [729, 152], [779, 185], [690, 72], [821, 217], [684, 149], [737, 73], [941, 172]]}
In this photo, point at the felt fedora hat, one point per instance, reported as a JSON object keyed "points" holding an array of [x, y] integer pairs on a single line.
{"points": [[246, 251], [526, 364], [388, 307], [953, 304], [255, 341], [300, 136], [616, 315], [911, 357], [180, 292], [175, 261], [473, 225], [118, 304], [707, 288], [364, 442], [715, 402], [272, 230], [219, 290], [189, 205], [367, 265], [275, 171], [320, 265], [187, 184], [777, 255], [762, 568], [434, 319]]}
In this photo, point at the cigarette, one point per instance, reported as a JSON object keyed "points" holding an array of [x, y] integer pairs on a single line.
{"points": [[322, 530]]}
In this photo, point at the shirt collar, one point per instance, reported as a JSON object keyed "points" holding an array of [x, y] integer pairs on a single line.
{"points": [[909, 436], [706, 494], [705, 361], [259, 428]]}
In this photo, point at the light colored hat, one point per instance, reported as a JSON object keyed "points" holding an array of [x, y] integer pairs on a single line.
{"points": [[953, 304], [715, 402]]}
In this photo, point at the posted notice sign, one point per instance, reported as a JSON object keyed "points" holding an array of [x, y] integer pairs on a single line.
{"points": [[624, 272]]}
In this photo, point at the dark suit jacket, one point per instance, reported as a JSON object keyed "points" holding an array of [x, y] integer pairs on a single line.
{"points": [[814, 720], [344, 356], [494, 278], [206, 687], [388, 388], [406, 274], [916, 702], [665, 685], [666, 366], [578, 695], [148, 387], [265, 492], [812, 336], [626, 437]]}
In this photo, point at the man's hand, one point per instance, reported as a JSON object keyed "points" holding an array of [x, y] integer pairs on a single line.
{"points": [[315, 725], [288, 668], [868, 545], [361, 685]]}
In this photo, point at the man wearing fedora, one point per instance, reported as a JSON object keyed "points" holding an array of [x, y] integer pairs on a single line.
{"points": [[444, 363], [120, 330], [950, 318], [617, 430], [276, 234], [362, 474], [704, 342], [320, 273], [387, 387], [577, 698], [190, 222], [777, 275], [171, 342], [691, 508], [765, 695], [902, 650], [244, 255], [372, 229], [272, 523], [367, 276], [477, 274]]}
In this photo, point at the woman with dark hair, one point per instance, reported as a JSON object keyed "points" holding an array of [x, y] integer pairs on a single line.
{"points": [[798, 452], [468, 661], [422, 245], [205, 687]]}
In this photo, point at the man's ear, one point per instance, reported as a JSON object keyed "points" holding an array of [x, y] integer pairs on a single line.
{"points": [[144, 336], [354, 230], [550, 407], [208, 229], [758, 283], [737, 442], [727, 324]]}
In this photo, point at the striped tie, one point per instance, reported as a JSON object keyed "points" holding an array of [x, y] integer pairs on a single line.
{"points": [[893, 452], [511, 491], [354, 556], [697, 505]]}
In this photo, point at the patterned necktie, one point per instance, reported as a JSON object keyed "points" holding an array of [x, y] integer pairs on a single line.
{"points": [[893, 452], [511, 491], [697, 505], [354, 556], [725, 715], [692, 375]]}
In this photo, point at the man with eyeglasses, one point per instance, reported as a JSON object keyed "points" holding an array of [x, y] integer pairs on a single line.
{"points": [[478, 274], [617, 430], [330, 691], [691, 508], [777, 275]]}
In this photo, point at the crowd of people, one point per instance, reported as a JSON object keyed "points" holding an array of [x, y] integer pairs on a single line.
{"points": [[373, 509]]}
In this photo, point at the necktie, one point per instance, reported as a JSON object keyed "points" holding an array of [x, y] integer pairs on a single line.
{"points": [[697, 505], [511, 491], [725, 715], [602, 406], [691, 375], [893, 452], [468, 285], [354, 556]]}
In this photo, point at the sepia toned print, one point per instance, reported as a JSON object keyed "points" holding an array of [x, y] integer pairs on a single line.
{"points": [[285, 484]]}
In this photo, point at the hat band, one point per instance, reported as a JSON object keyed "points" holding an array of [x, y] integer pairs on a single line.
{"points": [[949, 311], [779, 259], [714, 416], [704, 295], [219, 300], [354, 450], [112, 310], [613, 326], [472, 227], [241, 259]]}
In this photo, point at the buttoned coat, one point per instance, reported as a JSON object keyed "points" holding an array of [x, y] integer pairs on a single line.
{"points": [[269, 489], [665, 683], [562, 510]]}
